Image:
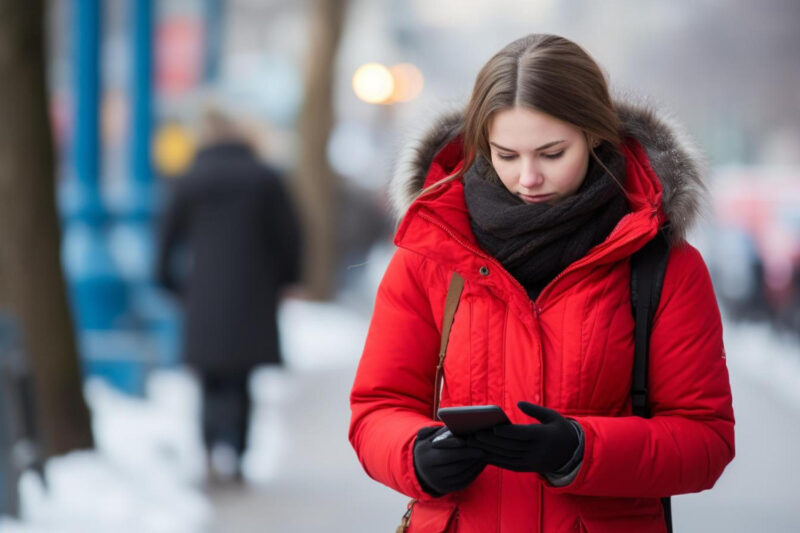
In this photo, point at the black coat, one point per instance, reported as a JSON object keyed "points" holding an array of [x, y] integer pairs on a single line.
{"points": [[243, 243]]}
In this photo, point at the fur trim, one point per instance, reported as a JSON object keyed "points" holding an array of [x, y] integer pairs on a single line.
{"points": [[673, 156], [416, 157]]}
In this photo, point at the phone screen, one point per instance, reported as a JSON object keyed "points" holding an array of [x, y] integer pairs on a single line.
{"points": [[462, 421]]}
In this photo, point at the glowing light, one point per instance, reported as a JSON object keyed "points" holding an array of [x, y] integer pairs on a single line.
{"points": [[373, 83], [408, 82]]}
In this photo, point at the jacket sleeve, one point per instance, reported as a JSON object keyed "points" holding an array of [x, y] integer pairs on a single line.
{"points": [[172, 230], [689, 440], [284, 225], [392, 396]]}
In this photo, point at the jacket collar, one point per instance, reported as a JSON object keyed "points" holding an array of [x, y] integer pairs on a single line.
{"points": [[437, 225], [663, 181], [667, 168]]}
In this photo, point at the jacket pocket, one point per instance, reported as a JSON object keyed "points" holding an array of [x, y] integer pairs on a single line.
{"points": [[618, 515], [433, 517], [643, 524]]}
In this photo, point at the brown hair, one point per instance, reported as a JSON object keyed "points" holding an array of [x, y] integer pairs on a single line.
{"points": [[547, 73]]}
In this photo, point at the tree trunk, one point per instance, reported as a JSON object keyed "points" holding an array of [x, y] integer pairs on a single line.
{"points": [[316, 185], [32, 288]]}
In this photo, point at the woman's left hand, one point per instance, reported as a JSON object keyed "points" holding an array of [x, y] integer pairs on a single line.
{"points": [[543, 448]]}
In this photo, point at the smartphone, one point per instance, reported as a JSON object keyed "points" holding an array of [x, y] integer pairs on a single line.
{"points": [[462, 421]]}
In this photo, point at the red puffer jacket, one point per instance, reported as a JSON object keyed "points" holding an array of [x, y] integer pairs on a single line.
{"points": [[570, 350]]}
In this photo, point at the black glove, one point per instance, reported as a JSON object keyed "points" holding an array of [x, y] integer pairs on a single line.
{"points": [[543, 448], [446, 465]]}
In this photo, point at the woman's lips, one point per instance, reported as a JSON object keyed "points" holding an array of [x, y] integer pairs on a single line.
{"points": [[536, 198]]}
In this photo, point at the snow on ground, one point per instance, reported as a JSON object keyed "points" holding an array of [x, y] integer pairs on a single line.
{"points": [[315, 335], [140, 476], [144, 475]]}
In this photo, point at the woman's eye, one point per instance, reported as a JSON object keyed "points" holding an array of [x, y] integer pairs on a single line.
{"points": [[554, 156], [505, 157]]}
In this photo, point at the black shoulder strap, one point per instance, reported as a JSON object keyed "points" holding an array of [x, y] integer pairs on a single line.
{"points": [[648, 266], [647, 276]]}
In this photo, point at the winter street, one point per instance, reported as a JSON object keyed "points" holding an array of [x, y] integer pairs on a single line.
{"points": [[220, 220]]}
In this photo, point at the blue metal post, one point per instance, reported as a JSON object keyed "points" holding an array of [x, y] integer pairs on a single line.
{"points": [[85, 199], [134, 232], [141, 99], [214, 25], [133, 236], [98, 296]]}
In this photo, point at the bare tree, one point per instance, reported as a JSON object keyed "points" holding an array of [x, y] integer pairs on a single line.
{"points": [[316, 184], [32, 286]]}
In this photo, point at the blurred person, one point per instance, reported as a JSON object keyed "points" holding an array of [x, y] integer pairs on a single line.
{"points": [[537, 195], [242, 239]]}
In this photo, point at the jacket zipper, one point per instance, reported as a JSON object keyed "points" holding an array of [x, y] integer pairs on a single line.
{"points": [[534, 305]]}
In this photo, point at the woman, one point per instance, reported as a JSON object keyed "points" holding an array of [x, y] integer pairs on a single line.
{"points": [[538, 195]]}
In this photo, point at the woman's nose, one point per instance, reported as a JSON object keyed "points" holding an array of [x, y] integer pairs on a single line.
{"points": [[530, 177]]}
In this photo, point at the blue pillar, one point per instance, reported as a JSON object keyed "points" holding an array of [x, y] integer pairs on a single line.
{"points": [[133, 237], [214, 25], [141, 101], [98, 297], [84, 197], [135, 199]]}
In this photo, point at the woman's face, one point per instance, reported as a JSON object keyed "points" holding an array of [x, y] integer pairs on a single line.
{"points": [[538, 157]]}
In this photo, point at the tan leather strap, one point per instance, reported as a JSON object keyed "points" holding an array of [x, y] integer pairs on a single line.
{"points": [[450, 306], [406, 520]]}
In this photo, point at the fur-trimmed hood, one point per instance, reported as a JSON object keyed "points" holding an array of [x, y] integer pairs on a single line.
{"points": [[673, 157]]}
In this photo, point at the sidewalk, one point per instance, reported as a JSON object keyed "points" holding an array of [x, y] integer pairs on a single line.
{"points": [[319, 485]]}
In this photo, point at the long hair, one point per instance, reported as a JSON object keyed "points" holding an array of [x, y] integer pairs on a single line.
{"points": [[547, 73]]}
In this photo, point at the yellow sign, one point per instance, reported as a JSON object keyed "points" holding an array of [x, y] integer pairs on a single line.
{"points": [[173, 149]]}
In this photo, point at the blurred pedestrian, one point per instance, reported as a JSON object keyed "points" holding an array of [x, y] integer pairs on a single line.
{"points": [[241, 233], [536, 196]]}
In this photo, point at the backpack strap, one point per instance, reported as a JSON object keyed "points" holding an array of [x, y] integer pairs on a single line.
{"points": [[450, 306], [648, 266]]}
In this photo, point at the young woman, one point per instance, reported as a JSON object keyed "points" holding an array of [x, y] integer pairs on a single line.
{"points": [[537, 195]]}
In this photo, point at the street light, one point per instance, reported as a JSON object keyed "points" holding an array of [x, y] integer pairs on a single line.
{"points": [[408, 82], [373, 83]]}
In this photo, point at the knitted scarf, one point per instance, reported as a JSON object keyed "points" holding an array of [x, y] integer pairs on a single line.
{"points": [[535, 242]]}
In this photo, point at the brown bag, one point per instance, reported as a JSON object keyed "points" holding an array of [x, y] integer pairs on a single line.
{"points": [[450, 306]]}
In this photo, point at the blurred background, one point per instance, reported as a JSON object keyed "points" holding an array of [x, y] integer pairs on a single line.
{"points": [[100, 103]]}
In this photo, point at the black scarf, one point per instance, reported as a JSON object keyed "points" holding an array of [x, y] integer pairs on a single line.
{"points": [[535, 242]]}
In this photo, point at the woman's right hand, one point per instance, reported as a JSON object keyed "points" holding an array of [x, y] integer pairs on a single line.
{"points": [[446, 465]]}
